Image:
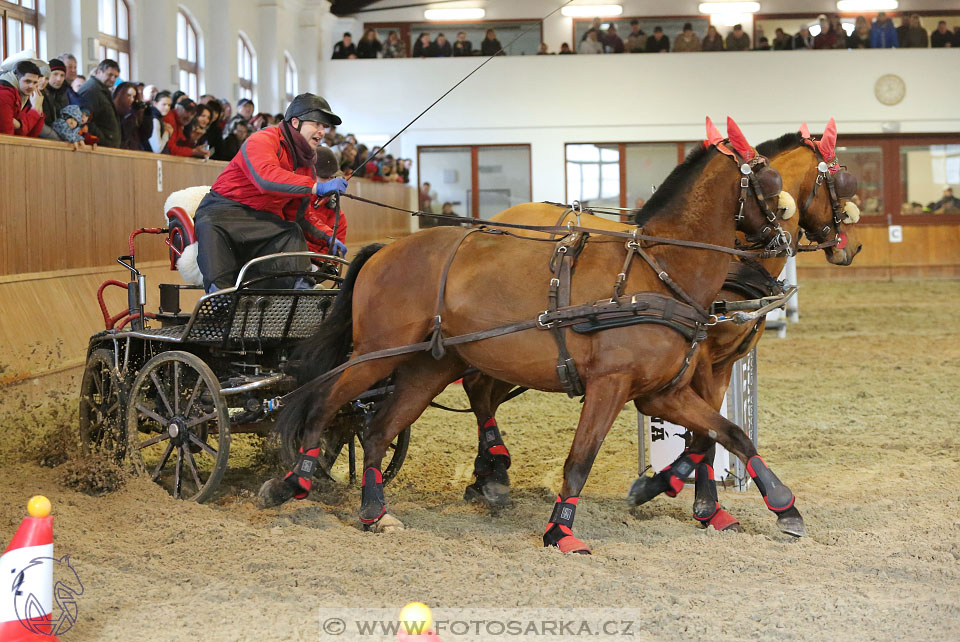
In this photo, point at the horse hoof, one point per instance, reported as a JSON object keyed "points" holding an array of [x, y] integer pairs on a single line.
{"points": [[492, 493], [386, 524], [274, 492], [644, 489], [791, 523]]}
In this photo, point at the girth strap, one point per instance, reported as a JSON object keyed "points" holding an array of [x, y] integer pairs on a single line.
{"points": [[561, 264], [437, 349]]}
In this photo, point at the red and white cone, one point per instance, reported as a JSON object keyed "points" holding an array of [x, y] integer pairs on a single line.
{"points": [[26, 578]]}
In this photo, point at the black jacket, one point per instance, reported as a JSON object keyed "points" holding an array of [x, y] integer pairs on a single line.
{"points": [[464, 48], [53, 101], [104, 123], [340, 52], [490, 47], [369, 48]]}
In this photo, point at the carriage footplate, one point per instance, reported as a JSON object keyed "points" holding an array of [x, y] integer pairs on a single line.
{"points": [[490, 467], [559, 531], [777, 497], [706, 505], [301, 476], [670, 480], [373, 505]]}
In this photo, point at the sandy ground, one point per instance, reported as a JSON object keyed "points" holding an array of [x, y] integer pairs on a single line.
{"points": [[858, 412]]}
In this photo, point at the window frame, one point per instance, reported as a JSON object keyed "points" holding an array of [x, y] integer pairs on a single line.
{"points": [[118, 44], [290, 70], [10, 9], [184, 64], [247, 86]]}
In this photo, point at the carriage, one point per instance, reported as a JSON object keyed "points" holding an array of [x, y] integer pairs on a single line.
{"points": [[167, 390]]}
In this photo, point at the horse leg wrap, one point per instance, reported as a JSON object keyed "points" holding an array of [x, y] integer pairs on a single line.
{"points": [[372, 502], [670, 480], [559, 531], [706, 505], [302, 474], [776, 495], [492, 454]]}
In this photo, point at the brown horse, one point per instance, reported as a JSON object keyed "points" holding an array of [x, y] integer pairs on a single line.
{"points": [[824, 215], [475, 281]]}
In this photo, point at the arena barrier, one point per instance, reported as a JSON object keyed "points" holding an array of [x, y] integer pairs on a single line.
{"points": [[667, 440], [777, 319]]}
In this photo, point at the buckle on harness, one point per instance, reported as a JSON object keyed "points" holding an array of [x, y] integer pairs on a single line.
{"points": [[545, 325]]}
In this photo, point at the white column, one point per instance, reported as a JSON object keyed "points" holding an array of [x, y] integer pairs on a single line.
{"points": [[269, 59], [155, 44]]}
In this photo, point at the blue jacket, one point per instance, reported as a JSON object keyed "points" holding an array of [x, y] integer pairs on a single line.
{"points": [[883, 37]]}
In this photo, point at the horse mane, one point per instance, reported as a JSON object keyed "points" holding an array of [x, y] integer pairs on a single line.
{"points": [[674, 183], [785, 143]]}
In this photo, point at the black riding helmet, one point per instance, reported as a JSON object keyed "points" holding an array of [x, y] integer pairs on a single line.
{"points": [[311, 107]]}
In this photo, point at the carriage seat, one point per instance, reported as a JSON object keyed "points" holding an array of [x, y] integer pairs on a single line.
{"points": [[179, 209]]}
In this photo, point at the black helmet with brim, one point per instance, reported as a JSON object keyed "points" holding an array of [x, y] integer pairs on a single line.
{"points": [[312, 108]]}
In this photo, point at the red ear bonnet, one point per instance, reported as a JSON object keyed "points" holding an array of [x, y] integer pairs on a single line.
{"points": [[713, 134], [738, 140], [804, 131], [828, 143]]}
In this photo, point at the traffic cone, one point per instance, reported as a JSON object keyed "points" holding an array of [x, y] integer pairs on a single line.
{"points": [[26, 578]]}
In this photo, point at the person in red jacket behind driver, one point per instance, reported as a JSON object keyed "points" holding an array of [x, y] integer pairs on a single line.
{"points": [[243, 215], [322, 216]]}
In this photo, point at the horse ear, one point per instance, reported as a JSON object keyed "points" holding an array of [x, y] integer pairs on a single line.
{"points": [[804, 131], [828, 143], [713, 134], [738, 140]]}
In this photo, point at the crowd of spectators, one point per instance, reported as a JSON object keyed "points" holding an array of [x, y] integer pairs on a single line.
{"points": [[880, 34], [48, 99]]}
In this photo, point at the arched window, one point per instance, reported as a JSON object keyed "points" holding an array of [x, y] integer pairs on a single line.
{"points": [[115, 34], [18, 26], [290, 80], [246, 68], [188, 57]]}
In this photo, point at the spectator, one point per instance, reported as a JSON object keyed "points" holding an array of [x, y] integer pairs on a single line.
{"points": [[612, 43], [70, 62], [422, 47], [882, 33], [941, 37], [658, 43], [133, 129], [426, 199], [403, 170], [55, 93], [565, 50], [95, 94], [442, 47], [490, 45], [803, 39], [782, 41], [261, 121], [214, 135], [193, 133], [160, 129], [841, 33], [227, 110], [369, 46], [596, 25], [178, 96], [150, 94], [345, 48], [827, 38], [206, 99], [860, 38], [763, 44], [88, 138], [178, 118], [21, 101], [591, 44], [948, 203], [348, 157], [237, 132], [462, 46], [544, 49], [67, 126], [738, 40], [244, 108], [394, 47], [687, 40], [915, 36], [359, 166], [75, 86], [713, 41], [903, 28], [637, 39]]}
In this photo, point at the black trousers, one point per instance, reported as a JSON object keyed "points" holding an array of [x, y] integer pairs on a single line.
{"points": [[230, 234]]}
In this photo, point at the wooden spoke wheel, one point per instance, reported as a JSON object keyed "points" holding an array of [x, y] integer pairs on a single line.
{"points": [[102, 396], [344, 467], [178, 426]]}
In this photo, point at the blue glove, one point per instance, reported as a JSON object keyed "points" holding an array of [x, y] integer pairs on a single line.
{"points": [[337, 185], [339, 249]]}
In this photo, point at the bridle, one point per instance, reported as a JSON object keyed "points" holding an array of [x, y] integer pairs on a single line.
{"points": [[826, 173], [772, 237]]}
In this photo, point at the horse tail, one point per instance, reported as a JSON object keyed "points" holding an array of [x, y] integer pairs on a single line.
{"points": [[325, 350]]}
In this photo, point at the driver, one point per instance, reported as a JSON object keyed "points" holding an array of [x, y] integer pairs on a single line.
{"points": [[242, 217]]}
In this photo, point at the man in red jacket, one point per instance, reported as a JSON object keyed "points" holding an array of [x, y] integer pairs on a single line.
{"points": [[243, 215], [21, 101]]}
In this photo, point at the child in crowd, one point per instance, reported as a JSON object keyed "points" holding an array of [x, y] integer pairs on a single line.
{"points": [[88, 138], [68, 126]]}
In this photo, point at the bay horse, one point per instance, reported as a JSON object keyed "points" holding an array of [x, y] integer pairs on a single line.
{"points": [[475, 281], [826, 216]]}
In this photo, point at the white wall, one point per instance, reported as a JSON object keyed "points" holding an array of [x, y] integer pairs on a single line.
{"points": [[547, 101]]}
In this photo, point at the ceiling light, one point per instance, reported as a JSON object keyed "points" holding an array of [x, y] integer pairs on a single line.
{"points": [[729, 7], [867, 5], [592, 10], [454, 14]]}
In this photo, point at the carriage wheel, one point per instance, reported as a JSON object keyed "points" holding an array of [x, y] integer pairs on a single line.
{"points": [[345, 468], [178, 426], [102, 396]]}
